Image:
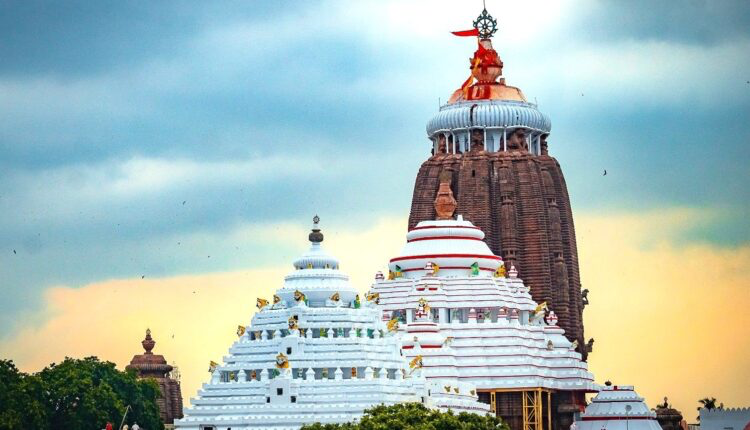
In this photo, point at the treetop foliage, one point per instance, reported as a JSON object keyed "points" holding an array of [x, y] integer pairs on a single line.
{"points": [[75, 394], [415, 416]]}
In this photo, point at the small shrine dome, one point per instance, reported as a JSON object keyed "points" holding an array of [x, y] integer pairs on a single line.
{"points": [[316, 274], [617, 407], [453, 245]]}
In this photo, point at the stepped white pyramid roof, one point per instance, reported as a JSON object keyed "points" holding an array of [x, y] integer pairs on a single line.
{"points": [[315, 353], [617, 407], [481, 326]]}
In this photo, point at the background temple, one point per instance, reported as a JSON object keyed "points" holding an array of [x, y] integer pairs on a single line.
{"points": [[150, 365], [493, 145]]}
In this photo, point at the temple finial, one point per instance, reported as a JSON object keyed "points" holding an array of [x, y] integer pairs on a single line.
{"points": [[148, 343], [445, 203], [485, 24], [315, 236]]}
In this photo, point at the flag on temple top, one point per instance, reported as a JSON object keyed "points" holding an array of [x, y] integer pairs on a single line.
{"points": [[240, 330], [475, 268], [464, 33]]}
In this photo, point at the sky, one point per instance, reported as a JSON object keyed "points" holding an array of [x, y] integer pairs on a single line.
{"points": [[160, 164]]}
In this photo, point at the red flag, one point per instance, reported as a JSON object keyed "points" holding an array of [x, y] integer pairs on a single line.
{"points": [[472, 32]]}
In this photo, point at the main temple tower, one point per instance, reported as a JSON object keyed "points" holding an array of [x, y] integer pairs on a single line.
{"points": [[493, 145]]}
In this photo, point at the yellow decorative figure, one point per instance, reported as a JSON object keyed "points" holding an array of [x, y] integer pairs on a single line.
{"points": [[391, 275], [240, 330], [276, 299], [393, 324], [455, 390], [373, 297], [299, 296], [212, 366], [261, 303], [282, 362], [500, 272], [335, 297], [416, 362], [435, 269], [540, 308], [354, 372], [447, 388], [293, 322], [473, 392]]}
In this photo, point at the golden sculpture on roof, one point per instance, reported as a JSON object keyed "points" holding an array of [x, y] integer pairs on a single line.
{"points": [[261, 303], [393, 324], [282, 362], [299, 296], [373, 297]]}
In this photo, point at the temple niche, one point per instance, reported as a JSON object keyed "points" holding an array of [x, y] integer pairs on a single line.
{"points": [[150, 365]]}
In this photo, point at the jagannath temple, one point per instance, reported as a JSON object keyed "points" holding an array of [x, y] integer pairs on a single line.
{"points": [[480, 312], [492, 143], [317, 352]]}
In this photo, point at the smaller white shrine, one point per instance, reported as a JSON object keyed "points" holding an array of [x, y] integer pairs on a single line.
{"points": [[316, 353], [617, 407]]}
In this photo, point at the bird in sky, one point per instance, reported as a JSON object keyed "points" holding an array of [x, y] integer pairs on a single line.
{"points": [[14, 251], [183, 202], [605, 172], [143, 276]]}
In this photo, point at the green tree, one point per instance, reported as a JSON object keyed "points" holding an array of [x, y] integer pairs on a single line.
{"points": [[708, 403], [415, 416], [88, 393], [21, 405]]}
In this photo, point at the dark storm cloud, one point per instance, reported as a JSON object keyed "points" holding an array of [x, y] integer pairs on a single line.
{"points": [[698, 22], [79, 38]]}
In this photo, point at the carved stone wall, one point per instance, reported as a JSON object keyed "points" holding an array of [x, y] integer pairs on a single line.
{"points": [[521, 202]]}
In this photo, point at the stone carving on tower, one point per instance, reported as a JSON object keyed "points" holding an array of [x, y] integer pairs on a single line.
{"points": [[489, 149], [150, 365]]}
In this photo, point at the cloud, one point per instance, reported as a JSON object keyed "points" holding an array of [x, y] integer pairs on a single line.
{"points": [[655, 308]]}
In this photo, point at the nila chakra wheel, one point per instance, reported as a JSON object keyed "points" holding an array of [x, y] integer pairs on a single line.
{"points": [[485, 24]]}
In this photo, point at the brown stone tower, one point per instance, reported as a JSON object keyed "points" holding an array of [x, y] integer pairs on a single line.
{"points": [[150, 365], [493, 145]]}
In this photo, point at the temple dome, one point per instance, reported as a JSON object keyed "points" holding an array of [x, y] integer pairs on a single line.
{"points": [[317, 275], [454, 245], [488, 105]]}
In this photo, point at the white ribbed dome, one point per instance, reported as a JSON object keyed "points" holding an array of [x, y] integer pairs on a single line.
{"points": [[489, 114], [454, 245], [317, 275]]}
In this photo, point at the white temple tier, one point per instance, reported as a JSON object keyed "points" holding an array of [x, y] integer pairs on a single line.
{"points": [[318, 353], [618, 407], [481, 326]]}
